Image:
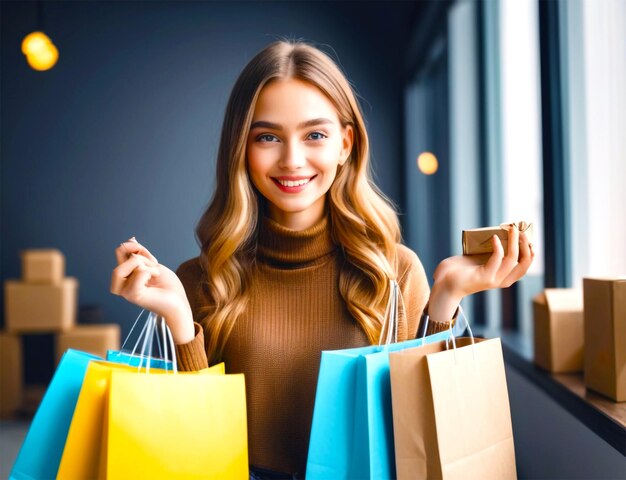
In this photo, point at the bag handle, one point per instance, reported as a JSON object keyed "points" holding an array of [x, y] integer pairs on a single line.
{"points": [[146, 337], [452, 337]]}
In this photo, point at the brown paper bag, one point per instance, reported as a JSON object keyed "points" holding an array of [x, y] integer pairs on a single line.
{"points": [[451, 412]]}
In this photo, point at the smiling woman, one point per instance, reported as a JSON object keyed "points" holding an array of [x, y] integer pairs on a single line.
{"points": [[299, 250]]}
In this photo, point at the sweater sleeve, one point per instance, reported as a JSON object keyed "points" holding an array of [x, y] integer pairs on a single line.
{"points": [[415, 292], [192, 356]]}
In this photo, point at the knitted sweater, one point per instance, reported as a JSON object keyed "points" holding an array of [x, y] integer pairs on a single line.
{"points": [[295, 311]]}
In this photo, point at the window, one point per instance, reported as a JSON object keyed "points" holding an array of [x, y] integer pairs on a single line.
{"points": [[524, 105]]}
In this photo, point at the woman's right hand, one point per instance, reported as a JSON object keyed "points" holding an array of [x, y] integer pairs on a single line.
{"points": [[141, 280]]}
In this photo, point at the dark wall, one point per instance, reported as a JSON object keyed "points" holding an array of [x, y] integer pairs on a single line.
{"points": [[119, 138]]}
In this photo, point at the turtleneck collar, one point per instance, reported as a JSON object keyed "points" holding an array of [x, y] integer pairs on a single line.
{"points": [[283, 247]]}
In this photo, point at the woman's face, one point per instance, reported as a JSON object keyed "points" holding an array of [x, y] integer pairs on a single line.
{"points": [[295, 145]]}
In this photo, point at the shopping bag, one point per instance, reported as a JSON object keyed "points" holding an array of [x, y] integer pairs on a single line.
{"points": [[83, 447], [41, 451], [175, 426], [451, 411], [352, 426], [157, 423], [351, 430]]}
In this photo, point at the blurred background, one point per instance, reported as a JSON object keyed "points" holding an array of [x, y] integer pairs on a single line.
{"points": [[479, 113]]}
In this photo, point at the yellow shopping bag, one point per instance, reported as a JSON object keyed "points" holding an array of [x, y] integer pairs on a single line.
{"points": [[177, 426], [83, 447]]}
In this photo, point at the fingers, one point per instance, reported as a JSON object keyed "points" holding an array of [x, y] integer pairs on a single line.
{"points": [[129, 247], [510, 260], [135, 285], [124, 274], [504, 270], [492, 266], [526, 258]]}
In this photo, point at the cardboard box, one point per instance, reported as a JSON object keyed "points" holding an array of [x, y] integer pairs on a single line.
{"points": [[558, 330], [43, 266], [96, 339], [478, 240], [40, 307], [11, 374], [605, 336]]}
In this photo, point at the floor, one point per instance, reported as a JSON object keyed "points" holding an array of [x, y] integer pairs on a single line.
{"points": [[12, 433]]}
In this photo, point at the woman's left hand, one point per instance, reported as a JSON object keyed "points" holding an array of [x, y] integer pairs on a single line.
{"points": [[460, 276]]}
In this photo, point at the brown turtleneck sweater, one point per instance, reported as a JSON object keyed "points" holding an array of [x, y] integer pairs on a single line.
{"points": [[295, 312]]}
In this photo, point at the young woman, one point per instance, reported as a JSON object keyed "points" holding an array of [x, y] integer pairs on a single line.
{"points": [[298, 248]]}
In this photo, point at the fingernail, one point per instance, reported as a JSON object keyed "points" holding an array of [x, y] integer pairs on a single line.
{"points": [[132, 239]]}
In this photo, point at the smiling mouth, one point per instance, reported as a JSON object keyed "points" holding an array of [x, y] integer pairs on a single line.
{"points": [[300, 182]]}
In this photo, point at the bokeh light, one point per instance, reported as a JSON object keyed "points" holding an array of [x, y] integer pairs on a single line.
{"points": [[40, 52], [427, 163]]}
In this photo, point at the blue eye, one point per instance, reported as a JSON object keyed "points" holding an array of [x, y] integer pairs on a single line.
{"points": [[267, 137], [317, 136]]}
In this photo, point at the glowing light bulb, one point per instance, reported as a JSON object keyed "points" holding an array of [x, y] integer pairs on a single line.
{"points": [[40, 52], [427, 163]]}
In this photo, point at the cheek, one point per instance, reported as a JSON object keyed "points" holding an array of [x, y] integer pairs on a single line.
{"points": [[258, 164], [328, 155]]}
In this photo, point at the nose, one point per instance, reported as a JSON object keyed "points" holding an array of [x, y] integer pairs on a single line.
{"points": [[292, 156]]}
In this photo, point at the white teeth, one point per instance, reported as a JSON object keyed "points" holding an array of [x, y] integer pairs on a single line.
{"points": [[296, 183]]}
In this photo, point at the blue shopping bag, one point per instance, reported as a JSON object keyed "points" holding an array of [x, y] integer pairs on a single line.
{"points": [[352, 428], [41, 451], [135, 360], [140, 355]]}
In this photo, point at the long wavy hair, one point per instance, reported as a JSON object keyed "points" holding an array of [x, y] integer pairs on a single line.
{"points": [[363, 222]]}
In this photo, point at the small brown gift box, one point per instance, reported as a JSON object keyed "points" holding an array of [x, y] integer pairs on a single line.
{"points": [[43, 266], [478, 240], [558, 330], [605, 336]]}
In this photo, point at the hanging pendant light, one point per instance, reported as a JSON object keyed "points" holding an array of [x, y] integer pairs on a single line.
{"points": [[41, 53]]}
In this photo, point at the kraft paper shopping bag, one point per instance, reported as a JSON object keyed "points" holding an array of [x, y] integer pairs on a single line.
{"points": [[416, 451], [451, 411], [352, 431], [41, 451]]}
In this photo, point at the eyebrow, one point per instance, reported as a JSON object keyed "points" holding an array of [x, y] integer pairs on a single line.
{"points": [[275, 126]]}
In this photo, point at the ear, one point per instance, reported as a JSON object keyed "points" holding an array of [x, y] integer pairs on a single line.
{"points": [[347, 142]]}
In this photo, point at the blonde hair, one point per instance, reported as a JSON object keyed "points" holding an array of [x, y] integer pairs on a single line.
{"points": [[362, 221]]}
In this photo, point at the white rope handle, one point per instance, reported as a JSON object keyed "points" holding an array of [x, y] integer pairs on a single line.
{"points": [[471, 334], [149, 333]]}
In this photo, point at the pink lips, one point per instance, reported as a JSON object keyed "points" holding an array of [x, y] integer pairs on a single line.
{"points": [[295, 188]]}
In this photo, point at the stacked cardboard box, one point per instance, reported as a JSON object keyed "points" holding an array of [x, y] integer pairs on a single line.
{"points": [[558, 332], [44, 301], [605, 336], [11, 375], [96, 339]]}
